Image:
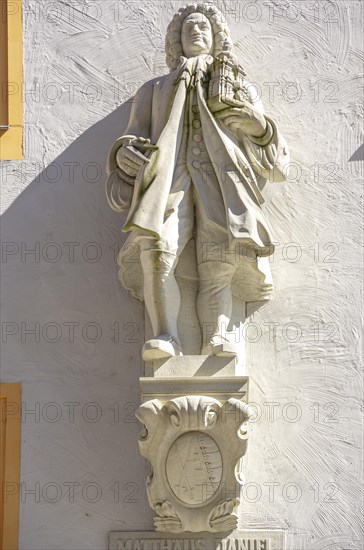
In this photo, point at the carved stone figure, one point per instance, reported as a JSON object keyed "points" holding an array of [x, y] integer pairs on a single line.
{"points": [[194, 159]]}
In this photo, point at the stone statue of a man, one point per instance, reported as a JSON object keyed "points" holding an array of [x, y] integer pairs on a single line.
{"points": [[195, 155]]}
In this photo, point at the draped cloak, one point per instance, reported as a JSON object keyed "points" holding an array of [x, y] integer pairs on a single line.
{"points": [[231, 199]]}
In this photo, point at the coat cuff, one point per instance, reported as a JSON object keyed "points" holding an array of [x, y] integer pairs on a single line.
{"points": [[266, 138]]}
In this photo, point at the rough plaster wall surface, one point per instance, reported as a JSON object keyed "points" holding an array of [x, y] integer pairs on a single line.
{"points": [[82, 474]]}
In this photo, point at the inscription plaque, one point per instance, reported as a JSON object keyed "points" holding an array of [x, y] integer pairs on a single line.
{"points": [[194, 467], [245, 539]]}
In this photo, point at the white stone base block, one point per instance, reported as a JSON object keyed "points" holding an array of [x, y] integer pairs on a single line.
{"points": [[194, 365], [222, 388]]}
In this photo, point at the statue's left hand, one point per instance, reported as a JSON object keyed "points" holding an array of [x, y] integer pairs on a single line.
{"points": [[246, 119]]}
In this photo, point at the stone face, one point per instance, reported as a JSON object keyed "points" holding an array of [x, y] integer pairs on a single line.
{"points": [[190, 168], [194, 445]]}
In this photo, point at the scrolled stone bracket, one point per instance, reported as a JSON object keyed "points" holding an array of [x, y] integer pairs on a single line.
{"points": [[194, 444]]}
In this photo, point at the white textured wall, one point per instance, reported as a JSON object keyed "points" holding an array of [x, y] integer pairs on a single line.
{"points": [[82, 61]]}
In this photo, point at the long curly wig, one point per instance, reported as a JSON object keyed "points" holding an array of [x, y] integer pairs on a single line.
{"points": [[220, 29]]}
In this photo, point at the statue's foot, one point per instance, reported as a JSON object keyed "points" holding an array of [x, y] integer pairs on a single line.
{"points": [[161, 347], [221, 348]]}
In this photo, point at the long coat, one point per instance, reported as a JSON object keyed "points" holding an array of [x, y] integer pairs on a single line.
{"points": [[232, 198]]}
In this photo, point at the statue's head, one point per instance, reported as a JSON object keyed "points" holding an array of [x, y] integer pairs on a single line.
{"points": [[196, 29]]}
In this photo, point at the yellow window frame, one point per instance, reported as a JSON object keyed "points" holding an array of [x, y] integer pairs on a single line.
{"points": [[10, 430], [11, 80]]}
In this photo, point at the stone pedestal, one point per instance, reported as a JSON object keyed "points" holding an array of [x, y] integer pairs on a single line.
{"points": [[195, 413]]}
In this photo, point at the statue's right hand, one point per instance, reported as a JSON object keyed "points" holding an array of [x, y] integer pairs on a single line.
{"points": [[129, 160]]}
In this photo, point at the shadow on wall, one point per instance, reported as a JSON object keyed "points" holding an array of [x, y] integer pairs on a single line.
{"points": [[72, 334], [60, 244]]}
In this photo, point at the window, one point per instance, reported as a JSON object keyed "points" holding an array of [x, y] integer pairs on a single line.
{"points": [[10, 426], [11, 80]]}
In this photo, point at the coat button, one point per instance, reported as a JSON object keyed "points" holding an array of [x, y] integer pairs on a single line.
{"points": [[196, 124], [195, 109], [196, 151], [196, 164], [197, 138]]}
